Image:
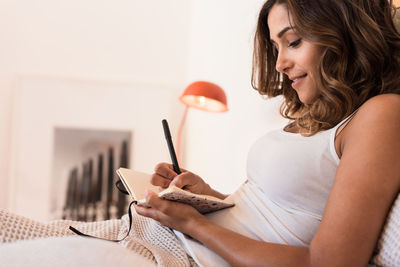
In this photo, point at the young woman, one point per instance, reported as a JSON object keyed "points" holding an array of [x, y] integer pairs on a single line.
{"points": [[318, 191]]}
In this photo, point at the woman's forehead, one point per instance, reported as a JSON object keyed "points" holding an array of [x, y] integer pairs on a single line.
{"points": [[278, 21]]}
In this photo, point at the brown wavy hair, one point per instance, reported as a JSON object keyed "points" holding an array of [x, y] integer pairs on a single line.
{"points": [[361, 58]]}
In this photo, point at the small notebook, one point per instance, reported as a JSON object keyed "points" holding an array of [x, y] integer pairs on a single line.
{"points": [[137, 182]]}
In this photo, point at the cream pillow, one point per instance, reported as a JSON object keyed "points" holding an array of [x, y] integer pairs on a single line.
{"points": [[69, 251], [387, 252]]}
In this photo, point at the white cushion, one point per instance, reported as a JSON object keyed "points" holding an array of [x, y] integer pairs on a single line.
{"points": [[388, 247], [68, 251]]}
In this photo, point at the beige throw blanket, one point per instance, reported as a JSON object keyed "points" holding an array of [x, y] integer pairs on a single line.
{"points": [[159, 244], [147, 237]]}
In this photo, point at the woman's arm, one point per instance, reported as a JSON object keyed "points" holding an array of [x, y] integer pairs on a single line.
{"points": [[365, 186], [366, 183]]}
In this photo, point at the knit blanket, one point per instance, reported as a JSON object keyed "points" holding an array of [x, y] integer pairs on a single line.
{"points": [[147, 237], [159, 244]]}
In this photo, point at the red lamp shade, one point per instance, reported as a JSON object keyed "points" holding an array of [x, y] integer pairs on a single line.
{"points": [[205, 96]]}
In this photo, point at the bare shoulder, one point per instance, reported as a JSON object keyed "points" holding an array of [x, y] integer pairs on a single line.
{"points": [[384, 98], [378, 116], [375, 130], [382, 105]]}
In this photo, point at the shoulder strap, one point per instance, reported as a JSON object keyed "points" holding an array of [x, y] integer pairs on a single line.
{"points": [[343, 123]]}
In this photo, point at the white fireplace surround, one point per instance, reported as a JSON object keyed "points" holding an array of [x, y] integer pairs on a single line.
{"points": [[42, 104]]}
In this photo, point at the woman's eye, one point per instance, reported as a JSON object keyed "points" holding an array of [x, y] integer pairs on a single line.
{"points": [[295, 43]]}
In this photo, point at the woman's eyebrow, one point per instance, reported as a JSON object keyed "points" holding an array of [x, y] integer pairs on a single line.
{"points": [[282, 32]]}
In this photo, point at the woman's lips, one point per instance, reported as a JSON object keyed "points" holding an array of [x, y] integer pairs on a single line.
{"points": [[297, 81]]}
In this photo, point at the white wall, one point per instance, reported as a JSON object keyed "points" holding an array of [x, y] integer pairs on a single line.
{"points": [[133, 108], [127, 41], [221, 51], [165, 42], [7, 54]]}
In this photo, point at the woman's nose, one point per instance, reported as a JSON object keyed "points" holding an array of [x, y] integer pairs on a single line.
{"points": [[283, 63]]}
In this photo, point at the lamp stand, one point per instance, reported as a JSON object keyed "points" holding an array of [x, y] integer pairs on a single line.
{"points": [[179, 135]]}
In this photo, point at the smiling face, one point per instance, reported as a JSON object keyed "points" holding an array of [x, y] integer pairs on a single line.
{"points": [[297, 58]]}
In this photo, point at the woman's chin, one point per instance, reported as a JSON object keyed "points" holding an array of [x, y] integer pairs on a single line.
{"points": [[303, 99], [306, 99]]}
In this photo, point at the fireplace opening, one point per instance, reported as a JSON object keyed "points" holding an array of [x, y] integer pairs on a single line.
{"points": [[83, 173]]}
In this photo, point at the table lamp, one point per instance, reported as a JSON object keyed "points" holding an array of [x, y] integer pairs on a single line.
{"points": [[201, 95]]}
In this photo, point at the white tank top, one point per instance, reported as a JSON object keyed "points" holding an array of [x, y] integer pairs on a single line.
{"points": [[289, 180]]}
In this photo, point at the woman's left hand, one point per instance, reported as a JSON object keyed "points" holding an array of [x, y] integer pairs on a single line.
{"points": [[173, 214]]}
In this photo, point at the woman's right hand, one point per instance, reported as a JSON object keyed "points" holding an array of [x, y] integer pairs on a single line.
{"points": [[165, 176]]}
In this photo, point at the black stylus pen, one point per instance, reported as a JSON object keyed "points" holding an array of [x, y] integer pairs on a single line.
{"points": [[171, 149]]}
